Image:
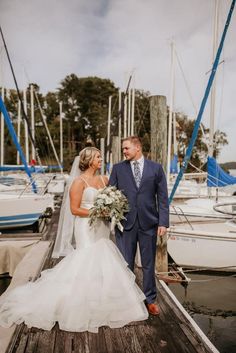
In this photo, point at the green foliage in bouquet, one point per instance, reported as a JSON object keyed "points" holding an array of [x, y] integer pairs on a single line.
{"points": [[111, 205]]}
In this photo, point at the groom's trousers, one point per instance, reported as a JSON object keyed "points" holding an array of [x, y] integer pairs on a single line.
{"points": [[127, 244]]}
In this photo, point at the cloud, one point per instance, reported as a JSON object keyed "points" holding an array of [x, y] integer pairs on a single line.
{"points": [[48, 40]]}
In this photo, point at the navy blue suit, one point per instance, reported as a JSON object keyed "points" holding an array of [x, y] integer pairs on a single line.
{"points": [[148, 209]]}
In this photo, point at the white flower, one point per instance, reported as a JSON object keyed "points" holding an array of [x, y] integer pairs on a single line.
{"points": [[110, 204]]}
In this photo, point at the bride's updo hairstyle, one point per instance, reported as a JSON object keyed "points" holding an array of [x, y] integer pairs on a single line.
{"points": [[86, 157]]}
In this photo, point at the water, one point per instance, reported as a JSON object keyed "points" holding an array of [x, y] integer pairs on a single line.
{"points": [[210, 300]]}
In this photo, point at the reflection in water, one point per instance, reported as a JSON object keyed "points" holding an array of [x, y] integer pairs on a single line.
{"points": [[220, 331], [210, 300]]}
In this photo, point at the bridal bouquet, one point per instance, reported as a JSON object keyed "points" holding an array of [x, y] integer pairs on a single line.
{"points": [[111, 205]]}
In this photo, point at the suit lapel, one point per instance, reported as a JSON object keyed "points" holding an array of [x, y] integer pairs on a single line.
{"points": [[145, 169], [130, 173]]}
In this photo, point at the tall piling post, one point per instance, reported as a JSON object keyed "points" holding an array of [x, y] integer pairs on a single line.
{"points": [[115, 149], [158, 116]]}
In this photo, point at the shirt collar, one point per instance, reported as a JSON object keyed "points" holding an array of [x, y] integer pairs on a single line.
{"points": [[140, 160]]}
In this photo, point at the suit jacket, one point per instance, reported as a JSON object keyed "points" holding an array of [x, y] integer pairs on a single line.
{"points": [[150, 201]]}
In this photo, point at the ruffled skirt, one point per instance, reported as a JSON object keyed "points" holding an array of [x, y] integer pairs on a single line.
{"points": [[90, 288]]}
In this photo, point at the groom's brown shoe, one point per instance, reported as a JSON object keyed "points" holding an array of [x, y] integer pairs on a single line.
{"points": [[153, 309]]}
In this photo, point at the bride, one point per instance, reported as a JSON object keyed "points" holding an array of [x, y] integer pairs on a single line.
{"points": [[92, 286]]}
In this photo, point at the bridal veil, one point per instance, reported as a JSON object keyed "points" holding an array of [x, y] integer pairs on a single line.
{"points": [[64, 240]]}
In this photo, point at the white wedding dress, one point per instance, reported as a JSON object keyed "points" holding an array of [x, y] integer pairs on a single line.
{"points": [[91, 287]]}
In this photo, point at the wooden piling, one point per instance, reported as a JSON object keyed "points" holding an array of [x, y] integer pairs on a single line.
{"points": [[158, 116], [115, 149]]}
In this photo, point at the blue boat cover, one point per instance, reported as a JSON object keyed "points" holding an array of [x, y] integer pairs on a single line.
{"points": [[216, 176]]}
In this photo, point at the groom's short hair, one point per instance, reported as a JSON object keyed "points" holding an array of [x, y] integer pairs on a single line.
{"points": [[134, 140]]}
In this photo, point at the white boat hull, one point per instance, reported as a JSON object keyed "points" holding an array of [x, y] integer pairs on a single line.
{"points": [[209, 248], [22, 211]]}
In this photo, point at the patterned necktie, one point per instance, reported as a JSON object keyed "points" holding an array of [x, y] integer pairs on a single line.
{"points": [[137, 173]]}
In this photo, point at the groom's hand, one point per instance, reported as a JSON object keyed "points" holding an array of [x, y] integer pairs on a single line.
{"points": [[161, 231]]}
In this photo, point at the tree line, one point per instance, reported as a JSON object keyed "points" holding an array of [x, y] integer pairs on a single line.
{"points": [[85, 110]]}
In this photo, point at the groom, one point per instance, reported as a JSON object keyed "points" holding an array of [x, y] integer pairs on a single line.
{"points": [[144, 184]]}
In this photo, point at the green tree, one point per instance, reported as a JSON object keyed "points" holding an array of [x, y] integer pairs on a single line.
{"points": [[85, 103], [200, 149], [142, 119], [85, 107]]}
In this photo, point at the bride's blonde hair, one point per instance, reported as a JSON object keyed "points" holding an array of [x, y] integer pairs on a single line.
{"points": [[86, 157]]}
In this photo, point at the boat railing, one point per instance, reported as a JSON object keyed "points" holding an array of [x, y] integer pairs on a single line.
{"points": [[45, 189], [42, 190], [217, 206], [176, 208]]}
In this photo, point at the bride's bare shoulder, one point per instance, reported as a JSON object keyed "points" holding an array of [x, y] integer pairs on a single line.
{"points": [[78, 183]]}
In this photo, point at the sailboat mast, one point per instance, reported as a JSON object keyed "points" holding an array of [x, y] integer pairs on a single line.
{"points": [[26, 128], [16, 142], [109, 129], [61, 134], [18, 130], [170, 114], [43, 117], [213, 89], [2, 133], [32, 120], [174, 134], [119, 122], [203, 103], [132, 111]]}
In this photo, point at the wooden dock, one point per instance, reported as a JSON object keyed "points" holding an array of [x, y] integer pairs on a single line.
{"points": [[170, 332]]}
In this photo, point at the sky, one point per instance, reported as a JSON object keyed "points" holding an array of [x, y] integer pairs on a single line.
{"points": [[50, 39]]}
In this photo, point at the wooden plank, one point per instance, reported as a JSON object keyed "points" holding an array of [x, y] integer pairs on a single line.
{"points": [[196, 342], [171, 337], [46, 341], [97, 342], [32, 342], [168, 334], [59, 346], [113, 340], [130, 341], [22, 344], [14, 238], [81, 343], [176, 317], [20, 348], [69, 342], [20, 236], [146, 335]]}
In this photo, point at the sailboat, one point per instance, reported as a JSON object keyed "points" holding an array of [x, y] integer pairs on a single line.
{"points": [[21, 209], [203, 234], [203, 231]]}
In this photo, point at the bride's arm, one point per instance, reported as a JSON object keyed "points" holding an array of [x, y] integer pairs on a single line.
{"points": [[76, 192]]}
